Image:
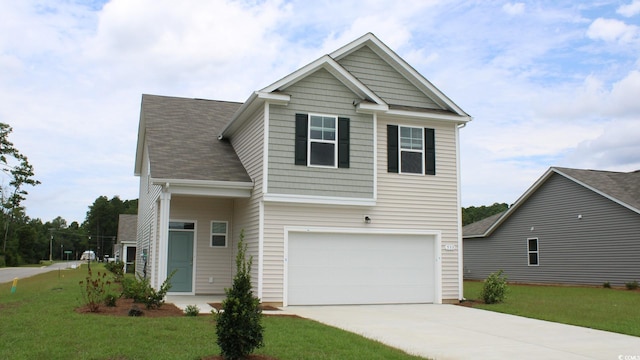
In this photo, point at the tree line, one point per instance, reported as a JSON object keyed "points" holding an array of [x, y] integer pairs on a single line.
{"points": [[28, 241]]}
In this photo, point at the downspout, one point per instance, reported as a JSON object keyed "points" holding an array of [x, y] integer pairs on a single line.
{"points": [[459, 210]]}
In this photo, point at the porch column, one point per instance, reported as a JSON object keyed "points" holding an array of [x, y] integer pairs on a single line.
{"points": [[163, 238]]}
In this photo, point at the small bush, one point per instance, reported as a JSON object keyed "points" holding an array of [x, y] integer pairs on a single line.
{"points": [[135, 311], [606, 285], [94, 290], [238, 325], [110, 300], [117, 268], [191, 310], [631, 285], [494, 289], [140, 290]]}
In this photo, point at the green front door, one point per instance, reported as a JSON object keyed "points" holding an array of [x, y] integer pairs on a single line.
{"points": [[181, 259]]}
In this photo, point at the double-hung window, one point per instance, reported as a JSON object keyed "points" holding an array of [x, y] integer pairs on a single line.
{"points": [[219, 233], [411, 150], [533, 252], [322, 141]]}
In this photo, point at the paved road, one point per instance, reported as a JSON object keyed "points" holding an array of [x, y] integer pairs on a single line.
{"points": [[10, 273]]}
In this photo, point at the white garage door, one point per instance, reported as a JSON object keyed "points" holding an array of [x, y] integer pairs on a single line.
{"points": [[328, 268]]}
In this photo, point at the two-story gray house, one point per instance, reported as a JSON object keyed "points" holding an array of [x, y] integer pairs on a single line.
{"points": [[343, 177]]}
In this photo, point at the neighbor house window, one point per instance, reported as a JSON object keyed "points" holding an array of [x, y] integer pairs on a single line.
{"points": [[533, 251], [219, 233], [322, 140], [411, 150]]}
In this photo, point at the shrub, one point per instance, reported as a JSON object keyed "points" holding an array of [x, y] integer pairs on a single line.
{"points": [[191, 310], [140, 290], [494, 289], [606, 285], [135, 311], [94, 290], [631, 285], [238, 324], [110, 300], [117, 268]]}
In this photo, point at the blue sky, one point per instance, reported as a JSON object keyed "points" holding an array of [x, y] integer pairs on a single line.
{"points": [[548, 83]]}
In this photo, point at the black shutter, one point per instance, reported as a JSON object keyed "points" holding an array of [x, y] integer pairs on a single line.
{"points": [[430, 152], [392, 148], [301, 139], [343, 142]]}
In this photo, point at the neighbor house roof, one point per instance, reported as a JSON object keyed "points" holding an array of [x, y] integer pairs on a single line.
{"points": [[182, 139], [127, 227], [622, 188]]}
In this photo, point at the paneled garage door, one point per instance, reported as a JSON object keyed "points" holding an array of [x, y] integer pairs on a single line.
{"points": [[331, 268]]}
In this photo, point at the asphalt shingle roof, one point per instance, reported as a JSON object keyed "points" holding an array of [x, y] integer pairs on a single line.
{"points": [[182, 138]]}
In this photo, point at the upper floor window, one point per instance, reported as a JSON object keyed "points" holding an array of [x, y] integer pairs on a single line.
{"points": [[411, 150], [322, 140]]}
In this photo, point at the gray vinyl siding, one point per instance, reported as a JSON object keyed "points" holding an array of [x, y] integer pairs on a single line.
{"points": [[320, 93], [603, 246], [384, 80], [248, 144]]}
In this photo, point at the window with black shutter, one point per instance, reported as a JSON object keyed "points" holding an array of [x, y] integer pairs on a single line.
{"points": [[322, 140], [411, 150]]}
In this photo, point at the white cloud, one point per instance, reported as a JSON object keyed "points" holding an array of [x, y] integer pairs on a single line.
{"points": [[514, 9], [630, 10], [612, 30]]}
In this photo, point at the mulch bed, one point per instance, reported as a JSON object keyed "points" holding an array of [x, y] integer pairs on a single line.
{"points": [[123, 305]]}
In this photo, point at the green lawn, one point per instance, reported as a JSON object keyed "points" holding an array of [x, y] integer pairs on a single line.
{"points": [[39, 322], [599, 308]]}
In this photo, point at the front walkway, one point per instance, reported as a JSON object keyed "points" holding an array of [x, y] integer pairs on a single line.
{"points": [[456, 332], [201, 301]]}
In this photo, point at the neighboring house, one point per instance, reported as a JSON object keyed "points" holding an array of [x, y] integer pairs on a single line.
{"points": [[125, 247], [571, 227], [343, 177]]}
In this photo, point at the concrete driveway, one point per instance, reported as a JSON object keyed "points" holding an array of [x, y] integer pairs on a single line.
{"points": [[10, 273], [456, 332]]}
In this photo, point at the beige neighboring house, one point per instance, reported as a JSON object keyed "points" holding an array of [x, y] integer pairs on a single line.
{"points": [[125, 247], [343, 177]]}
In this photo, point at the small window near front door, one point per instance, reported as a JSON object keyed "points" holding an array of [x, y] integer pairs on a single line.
{"points": [[533, 252], [219, 233]]}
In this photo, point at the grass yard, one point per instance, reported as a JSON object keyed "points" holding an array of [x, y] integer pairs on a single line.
{"points": [[598, 308], [39, 322]]}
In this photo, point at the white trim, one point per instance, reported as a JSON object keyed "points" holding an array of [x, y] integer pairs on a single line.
{"points": [[194, 252], [427, 115], [321, 200], [329, 64], [537, 252], [437, 235], [205, 187], [400, 150], [163, 238], [249, 106], [265, 148], [322, 141], [459, 221], [375, 157], [226, 235], [260, 249]]}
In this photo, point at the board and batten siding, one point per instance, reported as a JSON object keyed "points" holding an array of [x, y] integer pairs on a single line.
{"points": [[248, 143], [210, 262], [146, 237], [320, 93], [428, 202], [603, 245], [384, 80]]}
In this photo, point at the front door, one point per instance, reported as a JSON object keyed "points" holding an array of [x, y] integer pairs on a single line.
{"points": [[180, 259]]}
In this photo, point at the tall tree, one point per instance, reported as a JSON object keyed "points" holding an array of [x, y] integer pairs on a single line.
{"points": [[101, 222], [20, 173], [472, 214]]}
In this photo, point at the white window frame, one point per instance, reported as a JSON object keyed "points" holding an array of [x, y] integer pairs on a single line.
{"points": [[226, 234], [322, 141], [401, 150], [537, 252]]}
